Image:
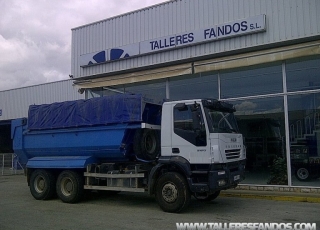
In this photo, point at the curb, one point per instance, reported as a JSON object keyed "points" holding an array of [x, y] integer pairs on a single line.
{"points": [[294, 197]]}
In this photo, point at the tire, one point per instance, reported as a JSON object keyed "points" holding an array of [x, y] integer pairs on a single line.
{"points": [[70, 186], [303, 174], [172, 192], [146, 144], [42, 184], [207, 197]]}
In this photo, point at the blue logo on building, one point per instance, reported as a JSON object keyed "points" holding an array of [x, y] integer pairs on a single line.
{"points": [[116, 54], [98, 58]]}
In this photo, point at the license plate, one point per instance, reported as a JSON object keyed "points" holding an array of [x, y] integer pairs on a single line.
{"points": [[237, 177]]}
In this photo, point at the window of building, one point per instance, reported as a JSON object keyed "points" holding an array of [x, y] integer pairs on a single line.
{"points": [[303, 74], [194, 86], [149, 89], [304, 124], [250, 81], [262, 124]]}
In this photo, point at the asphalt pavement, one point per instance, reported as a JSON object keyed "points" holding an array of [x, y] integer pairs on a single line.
{"points": [[273, 195], [19, 210]]}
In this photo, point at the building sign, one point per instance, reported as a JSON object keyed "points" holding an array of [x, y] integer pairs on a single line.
{"points": [[254, 24]]}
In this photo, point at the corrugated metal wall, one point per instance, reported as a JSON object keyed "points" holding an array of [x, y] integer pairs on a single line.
{"points": [[15, 103], [285, 20]]}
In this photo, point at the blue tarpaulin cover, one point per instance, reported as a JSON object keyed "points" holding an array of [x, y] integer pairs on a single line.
{"points": [[121, 108]]}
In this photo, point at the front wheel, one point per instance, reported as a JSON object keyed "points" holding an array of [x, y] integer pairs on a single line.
{"points": [[172, 192], [70, 186], [42, 184], [303, 174]]}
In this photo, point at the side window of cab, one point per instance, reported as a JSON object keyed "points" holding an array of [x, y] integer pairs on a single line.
{"points": [[189, 124]]}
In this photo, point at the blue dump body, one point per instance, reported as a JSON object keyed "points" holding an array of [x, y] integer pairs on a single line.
{"points": [[99, 129]]}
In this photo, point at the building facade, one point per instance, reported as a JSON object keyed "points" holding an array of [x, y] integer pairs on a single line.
{"points": [[263, 56], [15, 103]]}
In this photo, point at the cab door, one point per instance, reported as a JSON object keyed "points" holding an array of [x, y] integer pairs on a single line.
{"points": [[190, 135]]}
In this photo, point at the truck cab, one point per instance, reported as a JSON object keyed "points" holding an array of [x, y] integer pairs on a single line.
{"points": [[201, 138]]}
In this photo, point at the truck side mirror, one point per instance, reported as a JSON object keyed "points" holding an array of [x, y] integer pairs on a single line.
{"points": [[194, 107]]}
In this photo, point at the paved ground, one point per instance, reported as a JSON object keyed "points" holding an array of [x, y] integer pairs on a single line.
{"points": [[18, 210], [273, 195]]}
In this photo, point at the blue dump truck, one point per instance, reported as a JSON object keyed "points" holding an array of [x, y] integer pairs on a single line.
{"points": [[172, 150]]}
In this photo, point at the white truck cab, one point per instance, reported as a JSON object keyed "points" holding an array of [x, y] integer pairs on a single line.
{"points": [[201, 132], [200, 140]]}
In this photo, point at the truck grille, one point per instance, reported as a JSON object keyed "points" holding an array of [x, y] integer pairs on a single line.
{"points": [[232, 154]]}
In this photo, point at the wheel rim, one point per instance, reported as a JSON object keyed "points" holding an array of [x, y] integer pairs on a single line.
{"points": [[303, 173], [39, 184], [150, 143], [67, 186], [169, 193]]}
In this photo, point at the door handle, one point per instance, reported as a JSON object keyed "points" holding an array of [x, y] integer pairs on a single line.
{"points": [[175, 150]]}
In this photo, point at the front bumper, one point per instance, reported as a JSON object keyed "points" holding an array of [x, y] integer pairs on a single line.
{"points": [[220, 177]]}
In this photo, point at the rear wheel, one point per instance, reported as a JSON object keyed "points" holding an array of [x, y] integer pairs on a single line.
{"points": [[42, 184], [70, 186], [172, 192]]}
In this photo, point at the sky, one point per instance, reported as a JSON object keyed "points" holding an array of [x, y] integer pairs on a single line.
{"points": [[35, 36]]}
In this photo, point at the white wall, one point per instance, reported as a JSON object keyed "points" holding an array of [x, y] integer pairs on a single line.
{"points": [[15, 103], [286, 20]]}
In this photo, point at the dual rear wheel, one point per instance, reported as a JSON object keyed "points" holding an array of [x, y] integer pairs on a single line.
{"points": [[68, 186], [42, 184]]}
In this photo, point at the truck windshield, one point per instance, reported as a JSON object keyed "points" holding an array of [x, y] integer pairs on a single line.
{"points": [[221, 122]]}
